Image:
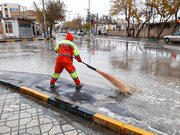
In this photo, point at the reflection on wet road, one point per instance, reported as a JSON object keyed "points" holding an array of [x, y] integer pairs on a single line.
{"points": [[153, 67]]}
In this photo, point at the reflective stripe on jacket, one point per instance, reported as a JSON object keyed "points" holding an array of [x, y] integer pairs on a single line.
{"points": [[66, 49]]}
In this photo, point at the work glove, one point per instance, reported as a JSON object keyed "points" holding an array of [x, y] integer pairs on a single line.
{"points": [[78, 59]]}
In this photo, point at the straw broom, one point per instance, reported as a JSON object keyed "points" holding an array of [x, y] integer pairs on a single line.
{"points": [[123, 88]]}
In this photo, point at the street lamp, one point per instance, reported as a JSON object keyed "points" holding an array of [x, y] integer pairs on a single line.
{"points": [[44, 20]]}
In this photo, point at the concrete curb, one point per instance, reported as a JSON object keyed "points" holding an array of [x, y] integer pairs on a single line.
{"points": [[26, 40], [115, 125]]}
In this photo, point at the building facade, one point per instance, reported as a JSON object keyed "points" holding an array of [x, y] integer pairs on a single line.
{"points": [[26, 14], [18, 22], [104, 28], [7, 9], [17, 28]]}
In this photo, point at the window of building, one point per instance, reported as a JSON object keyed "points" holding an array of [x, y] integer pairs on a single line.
{"points": [[7, 16], [5, 9], [26, 25], [9, 28], [14, 9]]}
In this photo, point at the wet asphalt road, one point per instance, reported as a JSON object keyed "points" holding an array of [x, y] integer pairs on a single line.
{"points": [[151, 66]]}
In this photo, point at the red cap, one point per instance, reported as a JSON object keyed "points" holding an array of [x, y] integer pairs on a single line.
{"points": [[69, 36]]}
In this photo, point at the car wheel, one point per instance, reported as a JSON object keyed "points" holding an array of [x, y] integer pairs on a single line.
{"points": [[166, 40]]}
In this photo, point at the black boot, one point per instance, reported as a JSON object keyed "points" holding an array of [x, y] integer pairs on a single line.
{"points": [[79, 86], [52, 85]]}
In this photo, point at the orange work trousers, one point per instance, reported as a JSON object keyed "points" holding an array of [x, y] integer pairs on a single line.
{"points": [[69, 67]]}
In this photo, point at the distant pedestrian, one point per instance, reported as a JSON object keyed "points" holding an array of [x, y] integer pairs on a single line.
{"points": [[66, 49], [47, 35]]}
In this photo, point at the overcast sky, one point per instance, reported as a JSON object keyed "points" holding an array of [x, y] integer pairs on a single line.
{"points": [[78, 7]]}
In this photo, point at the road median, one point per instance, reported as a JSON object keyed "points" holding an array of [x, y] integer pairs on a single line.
{"points": [[26, 40]]}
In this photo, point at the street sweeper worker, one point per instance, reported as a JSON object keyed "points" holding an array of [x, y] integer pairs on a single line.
{"points": [[66, 49]]}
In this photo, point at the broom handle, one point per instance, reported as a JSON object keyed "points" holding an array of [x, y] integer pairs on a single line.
{"points": [[93, 68]]}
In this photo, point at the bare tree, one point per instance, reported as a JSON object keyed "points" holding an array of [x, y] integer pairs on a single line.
{"points": [[126, 7], [165, 10], [176, 8], [76, 24], [55, 12], [66, 25], [143, 16]]}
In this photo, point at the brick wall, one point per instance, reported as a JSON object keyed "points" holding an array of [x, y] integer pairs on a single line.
{"points": [[144, 32], [26, 14]]}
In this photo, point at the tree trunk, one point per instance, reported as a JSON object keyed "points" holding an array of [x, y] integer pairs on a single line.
{"points": [[162, 29], [51, 27], [149, 29], [160, 33], [176, 24], [137, 35], [133, 32], [127, 28]]}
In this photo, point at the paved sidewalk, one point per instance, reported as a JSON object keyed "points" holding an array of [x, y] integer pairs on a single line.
{"points": [[21, 116]]}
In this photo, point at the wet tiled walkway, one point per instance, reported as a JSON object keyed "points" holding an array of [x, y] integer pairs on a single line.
{"points": [[21, 116]]}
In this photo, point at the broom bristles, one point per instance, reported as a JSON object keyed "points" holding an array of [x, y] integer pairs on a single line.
{"points": [[123, 88]]}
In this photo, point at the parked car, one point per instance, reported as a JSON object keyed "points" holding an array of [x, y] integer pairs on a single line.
{"points": [[85, 32], [80, 33], [72, 32], [175, 37]]}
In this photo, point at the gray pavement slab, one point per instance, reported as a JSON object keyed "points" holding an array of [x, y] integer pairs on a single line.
{"points": [[21, 115]]}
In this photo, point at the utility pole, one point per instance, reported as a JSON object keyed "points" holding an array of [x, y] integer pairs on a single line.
{"points": [[45, 29], [89, 18], [79, 17], [97, 20]]}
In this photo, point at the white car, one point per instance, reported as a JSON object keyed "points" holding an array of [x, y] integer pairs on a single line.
{"points": [[175, 37], [80, 33]]}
